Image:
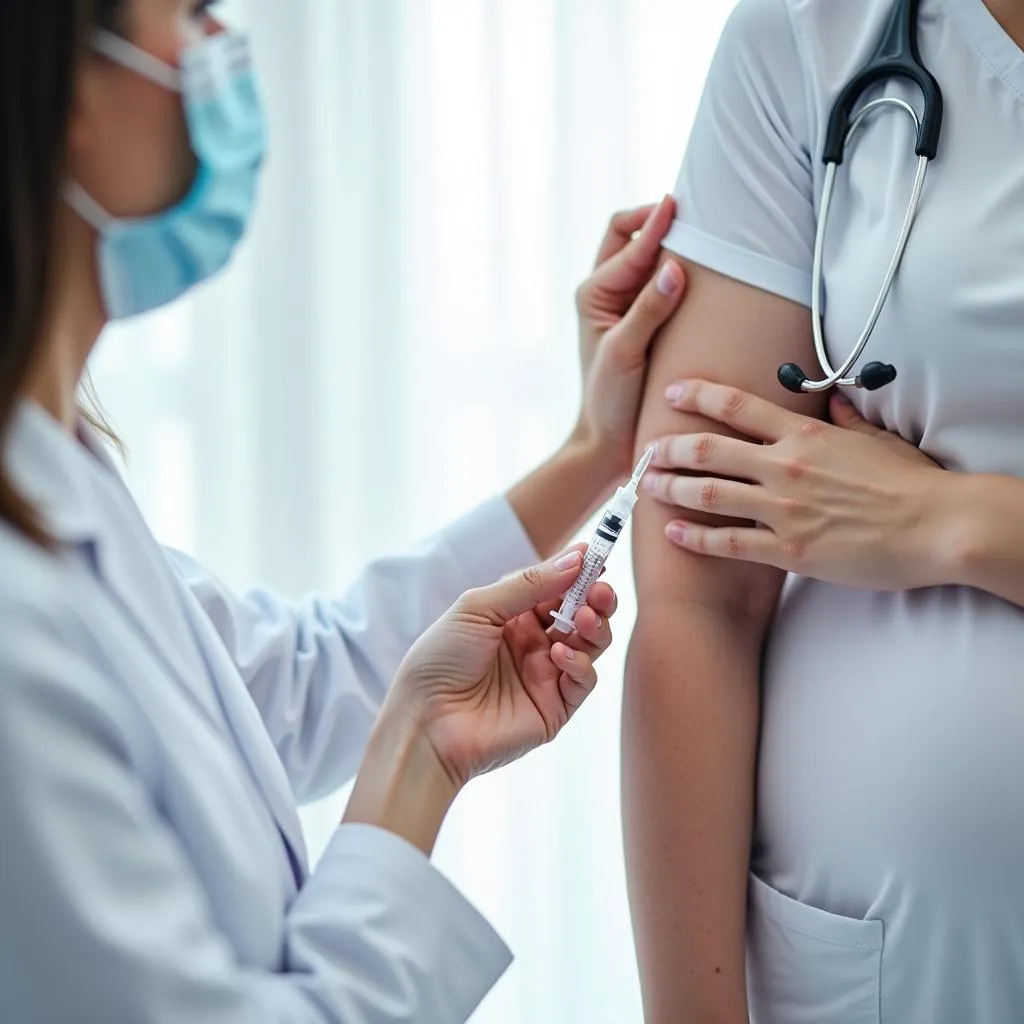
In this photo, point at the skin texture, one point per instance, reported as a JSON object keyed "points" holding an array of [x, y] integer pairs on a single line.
{"points": [[691, 696]]}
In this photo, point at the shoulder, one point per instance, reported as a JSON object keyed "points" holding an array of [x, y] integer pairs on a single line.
{"points": [[820, 32], [34, 600], [46, 670]]}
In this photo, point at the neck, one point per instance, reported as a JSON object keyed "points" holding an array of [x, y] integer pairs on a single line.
{"points": [[1010, 15], [74, 325]]}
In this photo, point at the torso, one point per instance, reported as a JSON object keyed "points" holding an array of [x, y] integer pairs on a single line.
{"points": [[893, 728]]}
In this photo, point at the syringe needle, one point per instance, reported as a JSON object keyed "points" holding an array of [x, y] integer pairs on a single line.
{"points": [[641, 466]]}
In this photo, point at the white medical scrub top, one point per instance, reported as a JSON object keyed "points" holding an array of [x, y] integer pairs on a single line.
{"points": [[887, 874], [156, 730]]}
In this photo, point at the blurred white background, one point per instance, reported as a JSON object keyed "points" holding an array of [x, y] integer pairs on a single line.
{"points": [[396, 342]]}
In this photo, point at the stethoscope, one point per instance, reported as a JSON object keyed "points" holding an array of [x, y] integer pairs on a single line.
{"points": [[896, 56]]}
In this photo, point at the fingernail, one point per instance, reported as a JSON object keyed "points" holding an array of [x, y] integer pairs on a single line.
{"points": [[650, 482], [569, 653], [676, 532], [838, 396], [674, 393], [667, 281], [568, 561], [598, 622]]}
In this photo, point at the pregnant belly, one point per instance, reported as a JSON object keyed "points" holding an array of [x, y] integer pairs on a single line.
{"points": [[889, 803]]}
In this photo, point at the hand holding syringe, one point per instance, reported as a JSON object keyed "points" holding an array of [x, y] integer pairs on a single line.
{"points": [[608, 531]]}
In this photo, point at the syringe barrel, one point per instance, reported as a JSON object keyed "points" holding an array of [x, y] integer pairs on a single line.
{"points": [[601, 544]]}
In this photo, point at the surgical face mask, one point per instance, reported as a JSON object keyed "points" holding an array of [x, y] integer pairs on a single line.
{"points": [[148, 262]]}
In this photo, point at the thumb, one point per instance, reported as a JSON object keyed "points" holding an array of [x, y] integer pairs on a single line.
{"points": [[846, 416], [654, 305], [503, 601]]}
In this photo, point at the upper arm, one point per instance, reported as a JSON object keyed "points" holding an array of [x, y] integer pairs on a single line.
{"points": [[745, 236], [731, 333]]}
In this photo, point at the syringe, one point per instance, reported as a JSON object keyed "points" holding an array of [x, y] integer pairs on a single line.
{"points": [[601, 543]]}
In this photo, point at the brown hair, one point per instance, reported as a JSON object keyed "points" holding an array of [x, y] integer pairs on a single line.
{"points": [[40, 45]]}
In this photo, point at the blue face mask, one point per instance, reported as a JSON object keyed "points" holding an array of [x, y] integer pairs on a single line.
{"points": [[148, 262]]}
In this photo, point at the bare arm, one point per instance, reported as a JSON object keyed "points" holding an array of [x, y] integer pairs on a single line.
{"points": [[692, 677]]}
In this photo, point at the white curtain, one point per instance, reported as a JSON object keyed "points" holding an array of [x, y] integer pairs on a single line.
{"points": [[396, 342]]}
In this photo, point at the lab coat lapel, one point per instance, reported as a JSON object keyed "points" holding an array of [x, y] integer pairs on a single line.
{"points": [[87, 508], [182, 626], [251, 735], [136, 572]]}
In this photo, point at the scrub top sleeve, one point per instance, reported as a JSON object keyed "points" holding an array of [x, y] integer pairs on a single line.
{"points": [[319, 668], [745, 191], [105, 918]]}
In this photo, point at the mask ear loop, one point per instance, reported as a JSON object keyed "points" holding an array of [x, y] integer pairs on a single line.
{"points": [[128, 55], [86, 207]]}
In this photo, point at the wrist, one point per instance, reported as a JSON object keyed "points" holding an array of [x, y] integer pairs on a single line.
{"points": [[594, 458], [952, 538], [402, 785], [558, 497]]}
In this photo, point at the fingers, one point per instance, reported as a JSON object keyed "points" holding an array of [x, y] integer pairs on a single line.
{"points": [[709, 494], [579, 677], [603, 599], [621, 230], [744, 544], [707, 453], [503, 601], [846, 416], [635, 261], [632, 263], [593, 634], [755, 417], [632, 336]]}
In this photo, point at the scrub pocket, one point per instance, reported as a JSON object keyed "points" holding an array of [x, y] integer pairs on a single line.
{"points": [[806, 966]]}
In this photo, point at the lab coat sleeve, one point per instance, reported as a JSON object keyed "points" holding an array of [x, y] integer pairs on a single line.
{"points": [[318, 669], [746, 189], [103, 919]]}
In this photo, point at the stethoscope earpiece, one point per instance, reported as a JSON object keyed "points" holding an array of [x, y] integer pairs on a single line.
{"points": [[876, 375], [792, 378], [872, 377]]}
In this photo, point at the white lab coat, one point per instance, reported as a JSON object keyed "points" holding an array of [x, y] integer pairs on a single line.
{"points": [[156, 731]]}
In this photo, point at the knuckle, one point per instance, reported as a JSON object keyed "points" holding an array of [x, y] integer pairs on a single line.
{"points": [[704, 447], [794, 468], [467, 601], [531, 578], [811, 429], [733, 544], [666, 485], [788, 508], [710, 495], [734, 401], [794, 550]]}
